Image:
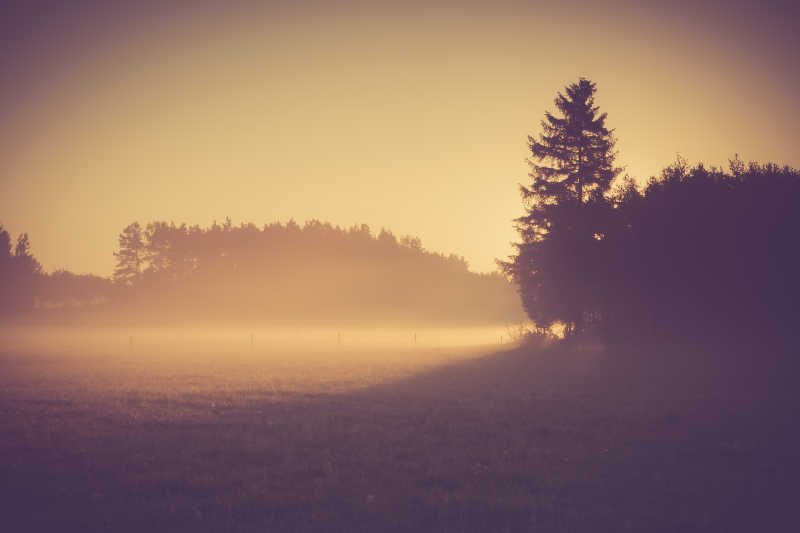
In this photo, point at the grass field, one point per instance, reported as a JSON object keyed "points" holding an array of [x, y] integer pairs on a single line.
{"points": [[419, 438]]}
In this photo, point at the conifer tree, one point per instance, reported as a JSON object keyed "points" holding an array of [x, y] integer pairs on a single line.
{"points": [[572, 167], [130, 256], [573, 159], [27, 265]]}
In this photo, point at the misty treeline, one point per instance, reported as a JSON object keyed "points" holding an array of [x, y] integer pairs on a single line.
{"points": [[696, 251], [279, 273], [24, 286], [314, 272]]}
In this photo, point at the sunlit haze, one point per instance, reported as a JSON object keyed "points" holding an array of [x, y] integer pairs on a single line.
{"points": [[403, 115], [389, 266]]}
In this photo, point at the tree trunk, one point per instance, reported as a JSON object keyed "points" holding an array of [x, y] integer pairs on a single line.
{"points": [[580, 173]]}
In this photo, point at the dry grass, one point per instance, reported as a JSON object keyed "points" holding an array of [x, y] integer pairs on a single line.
{"points": [[565, 439]]}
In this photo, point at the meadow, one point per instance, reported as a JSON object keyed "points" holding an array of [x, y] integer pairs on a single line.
{"points": [[194, 432]]}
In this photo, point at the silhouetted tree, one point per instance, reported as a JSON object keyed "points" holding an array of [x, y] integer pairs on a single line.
{"points": [[5, 247], [26, 263], [130, 256], [20, 274], [556, 266], [703, 252], [573, 159], [6, 271]]}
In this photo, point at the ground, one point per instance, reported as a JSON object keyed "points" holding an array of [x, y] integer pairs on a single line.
{"points": [[581, 437]]}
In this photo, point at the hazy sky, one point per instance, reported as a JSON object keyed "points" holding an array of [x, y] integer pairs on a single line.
{"points": [[407, 115]]}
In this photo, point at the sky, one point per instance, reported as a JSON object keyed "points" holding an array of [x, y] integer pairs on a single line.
{"points": [[412, 116]]}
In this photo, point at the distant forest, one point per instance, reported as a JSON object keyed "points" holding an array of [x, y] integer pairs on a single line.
{"points": [[280, 273]]}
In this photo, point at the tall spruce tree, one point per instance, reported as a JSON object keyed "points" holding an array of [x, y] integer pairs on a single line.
{"points": [[571, 169], [573, 159]]}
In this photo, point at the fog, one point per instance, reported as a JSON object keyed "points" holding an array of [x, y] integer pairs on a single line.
{"points": [[169, 341], [225, 365]]}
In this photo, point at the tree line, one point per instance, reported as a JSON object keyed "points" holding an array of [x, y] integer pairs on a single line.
{"points": [[26, 288], [281, 272], [315, 272], [695, 251]]}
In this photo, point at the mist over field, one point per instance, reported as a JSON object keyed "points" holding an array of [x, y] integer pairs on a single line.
{"points": [[355, 267], [130, 340], [161, 365], [193, 430], [156, 364], [287, 361]]}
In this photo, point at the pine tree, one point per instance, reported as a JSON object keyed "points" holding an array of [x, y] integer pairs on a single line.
{"points": [[26, 263], [571, 169], [130, 255], [573, 159]]}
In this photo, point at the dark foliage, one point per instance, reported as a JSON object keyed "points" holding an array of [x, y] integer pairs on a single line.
{"points": [[25, 288], [697, 252], [704, 252], [19, 272], [572, 168]]}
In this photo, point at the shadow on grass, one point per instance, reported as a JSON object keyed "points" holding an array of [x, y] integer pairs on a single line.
{"points": [[583, 438]]}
